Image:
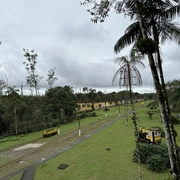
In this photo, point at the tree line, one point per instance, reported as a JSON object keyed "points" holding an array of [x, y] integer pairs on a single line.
{"points": [[21, 114]]}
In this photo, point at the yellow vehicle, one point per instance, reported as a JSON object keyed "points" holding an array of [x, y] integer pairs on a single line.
{"points": [[152, 135], [50, 132]]}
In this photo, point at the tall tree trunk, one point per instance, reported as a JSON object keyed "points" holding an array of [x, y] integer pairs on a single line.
{"points": [[161, 99], [171, 126], [134, 118], [159, 64]]}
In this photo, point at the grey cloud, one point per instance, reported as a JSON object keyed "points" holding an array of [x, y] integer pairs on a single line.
{"points": [[63, 36]]}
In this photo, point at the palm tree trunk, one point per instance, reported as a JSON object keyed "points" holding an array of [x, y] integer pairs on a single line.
{"points": [[171, 127], [134, 118], [161, 98]]}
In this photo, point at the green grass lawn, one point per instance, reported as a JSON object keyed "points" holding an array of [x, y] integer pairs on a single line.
{"points": [[90, 160], [17, 177]]}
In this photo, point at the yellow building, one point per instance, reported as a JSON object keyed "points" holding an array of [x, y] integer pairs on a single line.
{"points": [[97, 105]]}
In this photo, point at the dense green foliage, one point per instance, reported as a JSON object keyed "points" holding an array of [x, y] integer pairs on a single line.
{"points": [[155, 156], [20, 114], [173, 91], [33, 113]]}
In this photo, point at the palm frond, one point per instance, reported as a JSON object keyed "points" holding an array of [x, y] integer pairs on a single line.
{"points": [[138, 78], [121, 60], [118, 73], [128, 73], [130, 36], [169, 31], [171, 13]]}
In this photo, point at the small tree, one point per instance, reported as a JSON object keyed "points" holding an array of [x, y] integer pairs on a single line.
{"points": [[51, 77], [32, 79]]}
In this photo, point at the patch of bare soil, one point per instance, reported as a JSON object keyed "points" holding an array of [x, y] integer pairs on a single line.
{"points": [[32, 153]]}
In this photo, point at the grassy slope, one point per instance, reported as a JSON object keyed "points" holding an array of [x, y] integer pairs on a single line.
{"points": [[90, 159]]}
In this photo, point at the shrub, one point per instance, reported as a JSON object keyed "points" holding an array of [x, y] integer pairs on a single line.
{"points": [[145, 152], [156, 163], [155, 156]]}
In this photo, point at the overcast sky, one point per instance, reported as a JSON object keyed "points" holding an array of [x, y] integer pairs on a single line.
{"points": [[61, 33]]}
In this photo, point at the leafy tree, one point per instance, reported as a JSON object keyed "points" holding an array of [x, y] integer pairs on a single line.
{"points": [[173, 91], [99, 96], [32, 79], [51, 77], [60, 98]]}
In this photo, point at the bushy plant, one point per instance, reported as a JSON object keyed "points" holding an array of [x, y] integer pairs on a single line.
{"points": [[145, 152], [156, 163], [155, 156]]}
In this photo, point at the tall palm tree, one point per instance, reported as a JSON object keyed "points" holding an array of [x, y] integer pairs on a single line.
{"points": [[172, 154], [154, 18], [131, 8], [129, 75]]}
